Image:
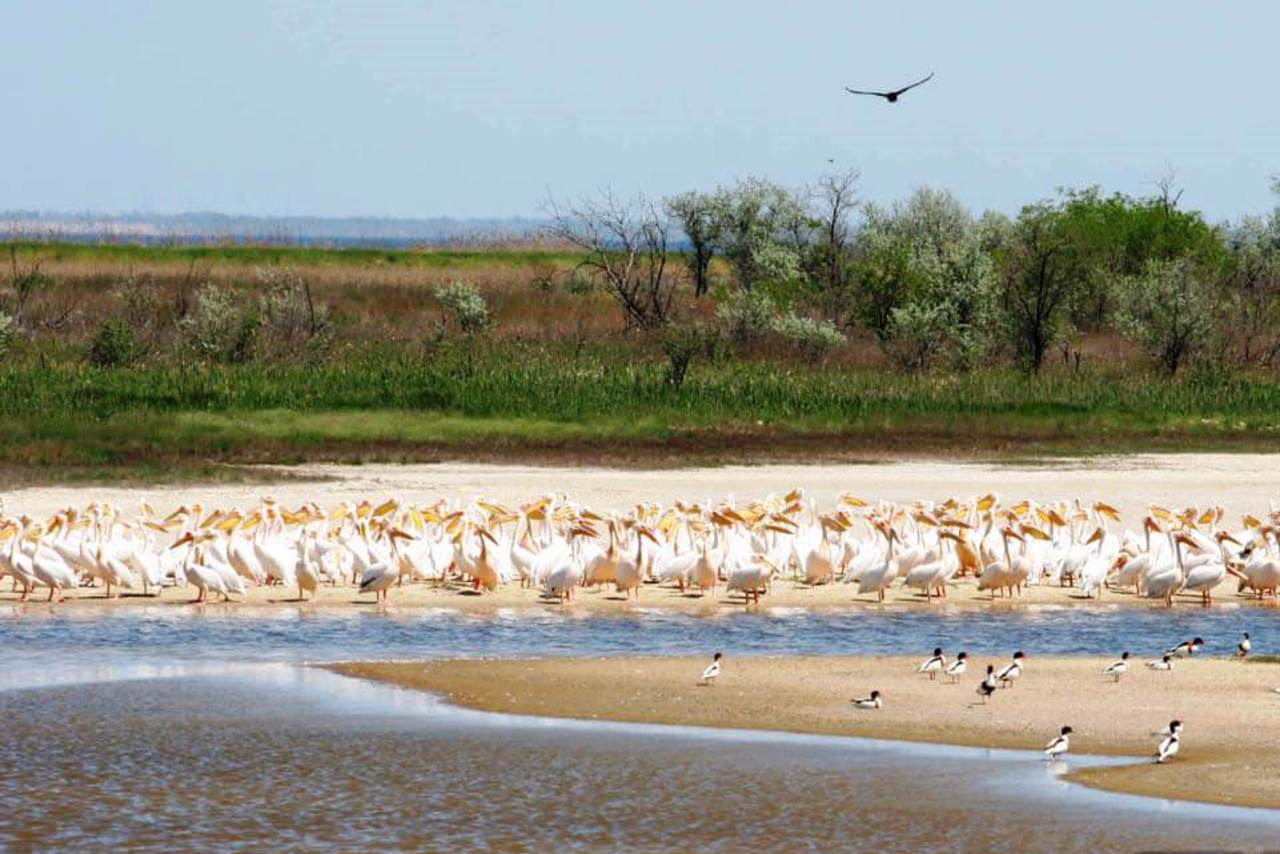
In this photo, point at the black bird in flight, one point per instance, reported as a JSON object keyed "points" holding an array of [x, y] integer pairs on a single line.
{"points": [[891, 97]]}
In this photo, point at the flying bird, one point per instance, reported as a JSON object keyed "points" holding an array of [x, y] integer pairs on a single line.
{"points": [[891, 97]]}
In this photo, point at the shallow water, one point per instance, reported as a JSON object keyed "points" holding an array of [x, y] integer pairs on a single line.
{"points": [[148, 731], [297, 634]]}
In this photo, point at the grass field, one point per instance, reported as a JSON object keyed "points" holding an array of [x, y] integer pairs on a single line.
{"points": [[521, 401]]}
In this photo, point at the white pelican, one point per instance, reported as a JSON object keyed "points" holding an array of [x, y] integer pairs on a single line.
{"points": [[308, 574], [1059, 745], [629, 569], [712, 673], [877, 578], [957, 668], [1118, 668], [871, 702], [49, 567], [379, 579], [1168, 747], [933, 664], [1165, 663], [202, 578], [1245, 646], [1011, 671]]}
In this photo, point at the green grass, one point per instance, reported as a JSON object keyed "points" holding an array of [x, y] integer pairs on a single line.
{"points": [[511, 399]]}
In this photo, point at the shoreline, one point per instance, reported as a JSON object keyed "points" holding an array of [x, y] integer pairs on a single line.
{"points": [[1218, 698], [786, 596]]}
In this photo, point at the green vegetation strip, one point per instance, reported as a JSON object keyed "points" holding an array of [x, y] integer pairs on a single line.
{"points": [[508, 398]]}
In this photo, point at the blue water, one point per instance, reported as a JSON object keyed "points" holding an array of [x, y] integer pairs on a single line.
{"points": [[302, 635], [177, 729]]}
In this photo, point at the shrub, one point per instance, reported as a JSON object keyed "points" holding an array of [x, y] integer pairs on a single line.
{"points": [[814, 339], [1169, 311], [682, 342], [746, 315], [113, 345], [465, 306], [217, 328], [7, 333], [294, 322], [918, 335]]}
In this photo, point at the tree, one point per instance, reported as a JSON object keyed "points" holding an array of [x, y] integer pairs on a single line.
{"points": [[625, 246], [1252, 290], [696, 214], [1039, 274], [926, 283], [1116, 236], [1169, 309], [833, 201], [762, 229]]}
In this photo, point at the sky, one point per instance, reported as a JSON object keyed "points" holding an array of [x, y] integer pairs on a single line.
{"points": [[476, 108]]}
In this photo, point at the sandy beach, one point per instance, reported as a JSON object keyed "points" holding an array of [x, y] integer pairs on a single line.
{"points": [[1239, 482], [1231, 744]]}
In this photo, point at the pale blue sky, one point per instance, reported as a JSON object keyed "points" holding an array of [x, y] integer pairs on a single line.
{"points": [[476, 108]]}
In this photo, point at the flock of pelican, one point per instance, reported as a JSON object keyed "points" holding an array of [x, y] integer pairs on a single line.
{"points": [[556, 546]]}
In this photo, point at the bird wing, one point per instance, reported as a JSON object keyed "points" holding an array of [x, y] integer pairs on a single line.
{"points": [[712, 670], [860, 92], [919, 82], [1051, 745]]}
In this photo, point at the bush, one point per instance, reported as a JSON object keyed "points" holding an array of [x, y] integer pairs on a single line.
{"points": [[465, 305], [1169, 311], [682, 342], [7, 333], [113, 345], [918, 336], [814, 339], [216, 327], [746, 315], [295, 324]]}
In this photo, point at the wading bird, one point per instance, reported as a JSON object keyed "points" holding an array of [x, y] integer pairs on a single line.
{"points": [[1060, 745]]}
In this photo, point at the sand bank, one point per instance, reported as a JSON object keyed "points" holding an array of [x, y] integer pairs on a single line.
{"points": [[1231, 745], [1239, 482]]}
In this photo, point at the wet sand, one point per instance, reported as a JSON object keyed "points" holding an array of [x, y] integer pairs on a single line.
{"points": [[785, 596], [1231, 744], [1239, 482]]}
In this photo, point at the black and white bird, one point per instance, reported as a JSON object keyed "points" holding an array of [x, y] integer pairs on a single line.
{"points": [[1059, 745], [1165, 663], [1190, 647], [871, 702], [987, 686], [957, 668], [1245, 646], [1011, 671], [712, 672], [1169, 745], [933, 664], [1117, 668]]}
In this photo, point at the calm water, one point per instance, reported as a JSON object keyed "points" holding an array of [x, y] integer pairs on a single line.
{"points": [[163, 731]]}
